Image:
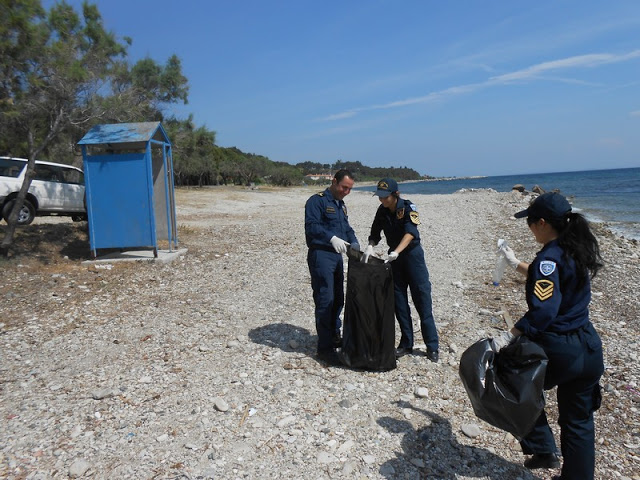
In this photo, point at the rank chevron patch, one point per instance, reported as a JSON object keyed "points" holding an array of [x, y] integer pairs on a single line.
{"points": [[543, 289]]}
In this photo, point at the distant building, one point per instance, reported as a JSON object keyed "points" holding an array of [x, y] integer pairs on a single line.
{"points": [[318, 176]]}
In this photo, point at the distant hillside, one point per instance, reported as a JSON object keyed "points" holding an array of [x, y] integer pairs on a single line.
{"points": [[361, 172], [202, 163]]}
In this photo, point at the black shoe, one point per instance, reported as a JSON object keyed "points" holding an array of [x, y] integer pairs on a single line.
{"points": [[433, 355], [329, 357], [337, 341], [542, 460], [402, 351]]}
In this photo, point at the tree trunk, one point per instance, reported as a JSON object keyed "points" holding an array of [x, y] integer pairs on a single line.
{"points": [[12, 221]]}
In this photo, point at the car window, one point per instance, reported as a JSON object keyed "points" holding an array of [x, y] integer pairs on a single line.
{"points": [[46, 173], [11, 168], [71, 175]]}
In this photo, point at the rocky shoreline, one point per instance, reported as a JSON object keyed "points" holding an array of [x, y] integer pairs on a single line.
{"points": [[205, 368]]}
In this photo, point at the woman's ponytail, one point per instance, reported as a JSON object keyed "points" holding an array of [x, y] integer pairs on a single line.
{"points": [[576, 238]]}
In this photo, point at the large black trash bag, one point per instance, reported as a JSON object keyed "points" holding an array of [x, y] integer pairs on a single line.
{"points": [[505, 388], [368, 336]]}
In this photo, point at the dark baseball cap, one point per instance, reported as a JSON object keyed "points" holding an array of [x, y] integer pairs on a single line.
{"points": [[548, 205], [386, 187]]}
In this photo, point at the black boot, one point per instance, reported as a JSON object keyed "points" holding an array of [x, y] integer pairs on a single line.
{"points": [[542, 460]]}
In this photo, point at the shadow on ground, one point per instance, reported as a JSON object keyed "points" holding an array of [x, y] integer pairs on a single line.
{"points": [[50, 242], [433, 452], [286, 337]]}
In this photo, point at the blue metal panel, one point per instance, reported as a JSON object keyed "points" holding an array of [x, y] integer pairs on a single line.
{"points": [[119, 208], [122, 133]]}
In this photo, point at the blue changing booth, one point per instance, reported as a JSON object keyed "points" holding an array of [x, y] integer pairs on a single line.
{"points": [[128, 173]]}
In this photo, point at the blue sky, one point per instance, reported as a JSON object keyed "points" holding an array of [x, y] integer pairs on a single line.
{"points": [[449, 88]]}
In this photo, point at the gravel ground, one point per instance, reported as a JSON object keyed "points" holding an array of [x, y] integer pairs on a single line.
{"points": [[204, 367]]}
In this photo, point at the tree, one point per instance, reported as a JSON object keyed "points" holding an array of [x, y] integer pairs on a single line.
{"points": [[314, 167], [51, 65], [141, 92], [61, 73], [284, 174], [194, 159]]}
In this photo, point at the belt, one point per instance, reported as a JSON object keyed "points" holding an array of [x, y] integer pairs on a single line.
{"points": [[325, 249], [578, 330]]}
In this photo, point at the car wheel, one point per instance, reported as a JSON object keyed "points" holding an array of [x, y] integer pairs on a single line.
{"points": [[26, 214]]}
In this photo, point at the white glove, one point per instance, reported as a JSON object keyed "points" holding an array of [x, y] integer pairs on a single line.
{"points": [[392, 256], [507, 253], [502, 340], [339, 245], [367, 253]]}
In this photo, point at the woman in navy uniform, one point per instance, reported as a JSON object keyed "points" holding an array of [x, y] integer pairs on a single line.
{"points": [[398, 219], [328, 235], [558, 291]]}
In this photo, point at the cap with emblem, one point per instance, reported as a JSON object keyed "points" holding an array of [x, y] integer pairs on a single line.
{"points": [[386, 187], [548, 205]]}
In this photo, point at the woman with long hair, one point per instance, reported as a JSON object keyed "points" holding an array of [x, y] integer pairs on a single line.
{"points": [[558, 291]]}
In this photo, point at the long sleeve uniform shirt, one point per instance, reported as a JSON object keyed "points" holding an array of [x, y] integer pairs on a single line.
{"points": [[396, 224], [554, 300], [325, 217]]}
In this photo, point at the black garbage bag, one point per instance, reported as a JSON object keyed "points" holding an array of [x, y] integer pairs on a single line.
{"points": [[368, 335], [506, 387]]}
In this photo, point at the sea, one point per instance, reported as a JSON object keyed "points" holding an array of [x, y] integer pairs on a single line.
{"points": [[605, 196]]}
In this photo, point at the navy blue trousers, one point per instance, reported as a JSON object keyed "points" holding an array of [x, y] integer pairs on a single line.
{"points": [[575, 366], [410, 272], [327, 281]]}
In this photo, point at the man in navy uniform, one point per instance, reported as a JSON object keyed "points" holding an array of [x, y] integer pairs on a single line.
{"points": [[328, 235]]}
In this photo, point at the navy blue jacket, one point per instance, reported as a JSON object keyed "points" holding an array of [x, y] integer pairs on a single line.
{"points": [[555, 302], [395, 224], [324, 217]]}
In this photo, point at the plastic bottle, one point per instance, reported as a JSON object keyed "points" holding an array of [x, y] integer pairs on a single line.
{"points": [[501, 264]]}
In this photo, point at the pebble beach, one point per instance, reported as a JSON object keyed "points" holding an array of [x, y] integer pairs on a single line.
{"points": [[205, 368]]}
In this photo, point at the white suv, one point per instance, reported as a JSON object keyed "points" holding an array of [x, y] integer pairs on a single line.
{"points": [[56, 189]]}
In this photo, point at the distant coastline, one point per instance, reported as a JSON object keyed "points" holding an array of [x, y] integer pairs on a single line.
{"points": [[444, 179], [607, 196], [367, 183]]}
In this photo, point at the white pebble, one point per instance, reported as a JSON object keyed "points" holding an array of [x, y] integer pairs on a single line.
{"points": [[421, 392]]}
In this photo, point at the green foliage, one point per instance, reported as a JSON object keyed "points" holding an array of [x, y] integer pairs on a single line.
{"points": [[194, 152], [360, 172], [164, 84], [314, 167], [62, 72], [53, 64], [21, 32], [284, 174]]}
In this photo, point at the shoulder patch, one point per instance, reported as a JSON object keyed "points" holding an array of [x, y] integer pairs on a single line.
{"points": [[413, 207], [414, 217], [547, 267], [543, 289]]}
